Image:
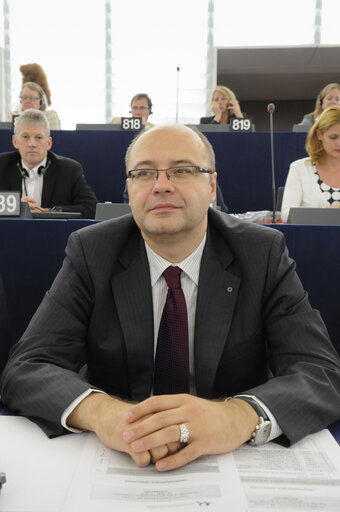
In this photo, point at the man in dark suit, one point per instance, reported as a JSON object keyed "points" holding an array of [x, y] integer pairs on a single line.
{"points": [[252, 333], [44, 179]]}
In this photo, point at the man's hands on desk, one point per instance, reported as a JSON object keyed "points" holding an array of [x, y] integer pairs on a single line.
{"points": [[32, 203], [149, 431]]}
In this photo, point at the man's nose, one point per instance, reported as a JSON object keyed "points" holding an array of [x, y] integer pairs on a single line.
{"points": [[162, 183]]}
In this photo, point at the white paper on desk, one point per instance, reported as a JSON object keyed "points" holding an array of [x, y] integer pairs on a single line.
{"points": [[303, 478], [38, 470], [107, 480]]}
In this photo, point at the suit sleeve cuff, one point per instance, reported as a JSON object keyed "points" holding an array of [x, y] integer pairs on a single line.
{"points": [[72, 406], [275, 430]]}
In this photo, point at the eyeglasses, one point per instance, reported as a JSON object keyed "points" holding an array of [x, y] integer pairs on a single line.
{"points": [[141, 109], [180, 174], [31, 98]]}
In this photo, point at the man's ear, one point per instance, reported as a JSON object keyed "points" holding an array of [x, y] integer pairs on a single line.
{"points": [[213, 186], [14, 141], [49, 143]]}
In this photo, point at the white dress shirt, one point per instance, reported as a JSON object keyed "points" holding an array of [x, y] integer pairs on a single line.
{"points": [[33, 183]]}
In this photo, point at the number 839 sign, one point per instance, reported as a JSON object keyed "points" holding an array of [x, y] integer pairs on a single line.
{"points": [[9, 204]]}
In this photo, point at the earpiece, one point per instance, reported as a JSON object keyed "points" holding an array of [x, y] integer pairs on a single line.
{"points": [[23, 172], [320, 100], [43, 170]]}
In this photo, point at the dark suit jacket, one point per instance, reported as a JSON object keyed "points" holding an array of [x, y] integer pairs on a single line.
{"points": [[210, 119], [5, 341], [64, 183], [255, 330]]}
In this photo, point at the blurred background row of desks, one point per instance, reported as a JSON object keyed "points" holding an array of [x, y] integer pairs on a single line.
{"points": [[243, 162]]}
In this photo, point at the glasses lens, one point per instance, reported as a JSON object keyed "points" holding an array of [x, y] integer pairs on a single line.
{"points": [[144, 175], [31, 98], [184, 173]]}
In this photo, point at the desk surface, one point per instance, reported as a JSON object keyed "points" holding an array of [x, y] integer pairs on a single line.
{"points": [[42, 472]]}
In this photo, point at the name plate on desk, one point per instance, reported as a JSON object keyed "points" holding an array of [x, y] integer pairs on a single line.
{"points": [[9, 204], [241, 125], [328, 216], [131, 123]]}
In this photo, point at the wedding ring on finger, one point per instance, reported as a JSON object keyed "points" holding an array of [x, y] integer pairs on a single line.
{"points": [[183, 433]]}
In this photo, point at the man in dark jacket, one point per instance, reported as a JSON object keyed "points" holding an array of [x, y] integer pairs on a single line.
{"points": [[44, 179]]}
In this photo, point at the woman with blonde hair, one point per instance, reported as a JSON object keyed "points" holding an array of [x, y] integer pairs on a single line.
{"points": [[314, 181], [328, 97], [33, 96], [225, 107]]}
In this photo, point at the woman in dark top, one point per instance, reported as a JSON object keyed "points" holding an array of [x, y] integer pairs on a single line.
{"points": [[225, 107], [328, 97]]}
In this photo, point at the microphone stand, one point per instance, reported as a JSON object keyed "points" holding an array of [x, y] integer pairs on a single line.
{"points": [[177, 91], [271, 108]]}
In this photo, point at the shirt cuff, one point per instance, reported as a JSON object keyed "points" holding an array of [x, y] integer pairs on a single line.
{"points": [[73, 405], [275, 429]]}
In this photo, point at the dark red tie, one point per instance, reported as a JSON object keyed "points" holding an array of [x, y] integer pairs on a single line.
{"points": [[172, 353]]}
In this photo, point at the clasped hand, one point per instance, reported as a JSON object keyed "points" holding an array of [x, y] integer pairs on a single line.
{"points": [[214, 427]]}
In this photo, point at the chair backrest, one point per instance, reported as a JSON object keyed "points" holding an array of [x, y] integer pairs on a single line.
{"points": [[5, 340]]}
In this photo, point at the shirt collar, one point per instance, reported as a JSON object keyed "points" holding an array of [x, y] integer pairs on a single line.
{"points": [[190, 265], [35, 169]]}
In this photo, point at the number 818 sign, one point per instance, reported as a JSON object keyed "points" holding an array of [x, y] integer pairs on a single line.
{"points": [[9, 204]]}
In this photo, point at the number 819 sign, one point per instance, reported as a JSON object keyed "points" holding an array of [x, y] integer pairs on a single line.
{"points": [[9, 204]]}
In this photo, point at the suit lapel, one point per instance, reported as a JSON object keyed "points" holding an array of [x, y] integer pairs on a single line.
{"points": [[48, 184], [15, 178], [217, 294], [133, 297]]}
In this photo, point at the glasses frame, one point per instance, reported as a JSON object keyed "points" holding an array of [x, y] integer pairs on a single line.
{"points": [[197, 168], [25, 97], [139, 109]]}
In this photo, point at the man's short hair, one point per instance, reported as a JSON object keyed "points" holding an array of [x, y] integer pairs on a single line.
{"points": [[142, 96], [209, 149], [34, 117]]}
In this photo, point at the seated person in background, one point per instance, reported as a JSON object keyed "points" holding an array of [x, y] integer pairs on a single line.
{"points": [[141, 106], [225, 106], [314, 181], [33, 96], [46, 180], [328, 97], [35, 73], [243, 326]]}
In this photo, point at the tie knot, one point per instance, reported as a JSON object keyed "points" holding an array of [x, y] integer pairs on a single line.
{"points": [[172, 277]]}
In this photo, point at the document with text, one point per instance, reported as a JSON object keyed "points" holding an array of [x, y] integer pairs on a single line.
{"points": [[305, 477], [107, 480]]}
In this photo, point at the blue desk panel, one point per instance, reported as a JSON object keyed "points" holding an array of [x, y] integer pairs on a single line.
{"points": [[243, 162]]}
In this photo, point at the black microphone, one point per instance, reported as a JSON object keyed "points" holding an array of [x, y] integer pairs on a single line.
{"points": [[271, 110], [24, 175], [177, 91]]}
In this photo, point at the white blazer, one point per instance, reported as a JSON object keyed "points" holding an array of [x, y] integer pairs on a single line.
{"points": [[302, 188]]}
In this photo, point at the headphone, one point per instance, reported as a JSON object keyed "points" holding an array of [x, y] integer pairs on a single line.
{"points": [[24, 174], [42, 169]]}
